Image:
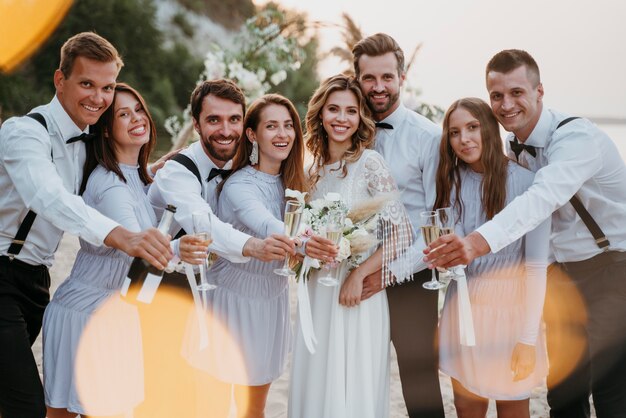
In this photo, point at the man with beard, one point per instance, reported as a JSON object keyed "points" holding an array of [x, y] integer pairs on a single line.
{"points": [[217, 108], [190, 183], [409, 143]]}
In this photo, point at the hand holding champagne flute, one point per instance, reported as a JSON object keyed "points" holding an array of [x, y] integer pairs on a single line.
{"points": [[334, 231], [293, 214], [430, 231]]}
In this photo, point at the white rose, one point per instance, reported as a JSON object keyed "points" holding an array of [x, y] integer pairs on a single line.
{"points": [[332, 197], [318, 204], [347, 223], [344, 249], [359, 232]]}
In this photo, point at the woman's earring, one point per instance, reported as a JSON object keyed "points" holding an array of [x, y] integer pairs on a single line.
{"points": [[254, 155], [456, 160]]}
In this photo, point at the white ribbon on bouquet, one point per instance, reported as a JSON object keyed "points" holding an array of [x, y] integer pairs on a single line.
{"points": [[304, 306], [199, 305], [466, 321]]}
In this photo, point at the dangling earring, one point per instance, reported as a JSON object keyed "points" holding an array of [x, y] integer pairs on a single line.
{"points": [[254, 155], [456, 160]]}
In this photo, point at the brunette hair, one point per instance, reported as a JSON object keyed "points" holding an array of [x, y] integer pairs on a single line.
{"points": [[492, 157], [101, 150], [292, 168], [511, 59], [89, 45], [316, 136], [222, 88], [375, 46]]}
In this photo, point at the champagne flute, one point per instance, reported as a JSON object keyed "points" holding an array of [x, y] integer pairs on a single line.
{"points": [[334, 231], [202, 230], [446, 220], [293, 214], [446, 226], [430, 232]]}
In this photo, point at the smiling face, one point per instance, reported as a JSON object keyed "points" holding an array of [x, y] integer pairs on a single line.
{"points": [[340, 118], [465, 138], [88, 91], [275, 135], [219, 125], [516, 100], [131, 126], [380, 83]]}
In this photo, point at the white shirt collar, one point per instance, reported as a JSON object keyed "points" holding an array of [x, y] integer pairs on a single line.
{"points": [[397, 117], [67, 128], [541, 134], [205, 164]]}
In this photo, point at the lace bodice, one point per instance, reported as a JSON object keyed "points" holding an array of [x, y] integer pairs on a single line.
{"points": [[366, 179]]}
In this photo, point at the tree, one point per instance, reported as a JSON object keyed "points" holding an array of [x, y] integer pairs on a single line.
{"points": [[164, 76]]}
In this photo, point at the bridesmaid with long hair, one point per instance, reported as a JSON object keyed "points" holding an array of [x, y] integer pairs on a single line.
{"points": [[92, 348], [250, 330], [506, 289]]}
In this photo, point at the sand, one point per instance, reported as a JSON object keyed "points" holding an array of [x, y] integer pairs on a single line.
{"points": [[277, 402]]}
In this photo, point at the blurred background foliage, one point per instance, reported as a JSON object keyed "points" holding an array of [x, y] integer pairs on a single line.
{"points": [[165, 45]]}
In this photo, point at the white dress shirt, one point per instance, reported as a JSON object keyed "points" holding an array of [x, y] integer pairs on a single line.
{"points": [[175, 185], [578, 158], [30, 179], [411, 151]]}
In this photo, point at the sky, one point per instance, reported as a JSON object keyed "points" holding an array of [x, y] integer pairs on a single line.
{"points": [[580, 45]]}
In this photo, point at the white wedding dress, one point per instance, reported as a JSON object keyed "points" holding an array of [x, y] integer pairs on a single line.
{"points": [[348, 376]]}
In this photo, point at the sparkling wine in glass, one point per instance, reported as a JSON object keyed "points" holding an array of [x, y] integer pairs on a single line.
{"points": [[293, 214], [446, 222], [430, 231], [202, 230], [334, 231]]}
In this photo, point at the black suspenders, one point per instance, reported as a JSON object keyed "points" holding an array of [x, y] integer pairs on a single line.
{"points": [[601, 240], [27, 222]]}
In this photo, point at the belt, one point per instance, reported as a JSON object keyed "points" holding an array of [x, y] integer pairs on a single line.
{"points": [[598, 261], [9, 261]]}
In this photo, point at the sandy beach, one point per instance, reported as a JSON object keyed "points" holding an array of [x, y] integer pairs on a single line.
{"points": [[277, 402]]}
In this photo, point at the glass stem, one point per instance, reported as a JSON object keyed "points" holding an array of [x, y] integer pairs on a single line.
{"points": [[286, 263]]}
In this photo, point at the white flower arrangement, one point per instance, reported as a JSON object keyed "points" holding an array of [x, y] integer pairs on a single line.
{"points": [[358, 235], [261, 61]]}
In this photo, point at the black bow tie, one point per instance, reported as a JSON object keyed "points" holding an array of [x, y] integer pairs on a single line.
{"points": [[217, 172], [383, 125], [82, 137], [517, 148]]}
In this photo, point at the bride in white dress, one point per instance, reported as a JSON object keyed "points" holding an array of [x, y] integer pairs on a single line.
{"points": [[348, 376]]}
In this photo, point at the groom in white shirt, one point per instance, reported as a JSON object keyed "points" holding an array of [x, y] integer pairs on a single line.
{"points": [[409, 143], [41, 168], [580, 182]]}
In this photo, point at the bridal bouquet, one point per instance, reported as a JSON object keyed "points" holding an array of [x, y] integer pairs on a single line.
{"points": [[359, 232]]}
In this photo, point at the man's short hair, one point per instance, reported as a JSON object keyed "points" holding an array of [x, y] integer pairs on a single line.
{"points": [[222, 88], [511, 59], [375, 46], [89, 45]]}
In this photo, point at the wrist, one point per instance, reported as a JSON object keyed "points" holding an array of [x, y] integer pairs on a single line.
{"points": [[359, 274], [249, 248], [115, 238]]}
